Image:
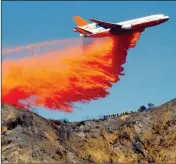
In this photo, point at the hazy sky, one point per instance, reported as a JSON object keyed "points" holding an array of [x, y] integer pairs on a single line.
{"points": [[151, 66]]}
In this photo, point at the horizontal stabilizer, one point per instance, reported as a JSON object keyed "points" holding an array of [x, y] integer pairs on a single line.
{"points": [[82, 31], [106, 24]]}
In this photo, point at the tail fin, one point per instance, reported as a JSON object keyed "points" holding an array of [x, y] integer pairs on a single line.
{"points": [[80, 21]]}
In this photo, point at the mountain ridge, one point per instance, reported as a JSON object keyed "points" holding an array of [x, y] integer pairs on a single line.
{"points": [[148, 136]]}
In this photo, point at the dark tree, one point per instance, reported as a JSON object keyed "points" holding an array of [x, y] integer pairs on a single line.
{"points": [[65, 120], [150, 105], [142, 108]]}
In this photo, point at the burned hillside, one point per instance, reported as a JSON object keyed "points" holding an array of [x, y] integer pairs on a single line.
{"points": [[147, 136]]}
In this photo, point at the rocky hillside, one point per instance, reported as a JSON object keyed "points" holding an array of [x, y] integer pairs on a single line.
{"points": [[148, 136]]}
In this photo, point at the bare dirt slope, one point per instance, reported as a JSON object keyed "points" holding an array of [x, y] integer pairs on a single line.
{"points": [[148, 136]]}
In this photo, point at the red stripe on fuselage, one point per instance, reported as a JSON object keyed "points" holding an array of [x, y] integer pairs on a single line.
{"points": [[147, 24]]}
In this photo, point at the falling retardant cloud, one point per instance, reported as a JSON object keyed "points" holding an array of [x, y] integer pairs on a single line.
{"points": [[56, 79]]}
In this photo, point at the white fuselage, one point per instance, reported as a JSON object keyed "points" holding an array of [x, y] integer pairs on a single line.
{"points": [[139, 23]]}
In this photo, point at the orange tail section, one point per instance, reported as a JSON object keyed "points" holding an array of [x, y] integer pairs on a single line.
{"points": [[80, 21]]}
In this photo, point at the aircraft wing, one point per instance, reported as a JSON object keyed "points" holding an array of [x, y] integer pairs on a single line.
{"points": [[106, 24]]}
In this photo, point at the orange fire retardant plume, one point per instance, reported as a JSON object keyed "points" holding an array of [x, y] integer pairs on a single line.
{"points": [[59, 78]]}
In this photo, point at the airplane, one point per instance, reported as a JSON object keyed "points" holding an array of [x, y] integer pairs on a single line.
{"points": [[99, 28]]}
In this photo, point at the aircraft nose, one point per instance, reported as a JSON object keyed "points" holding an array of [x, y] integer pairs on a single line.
{"points": [[166, 18]]}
